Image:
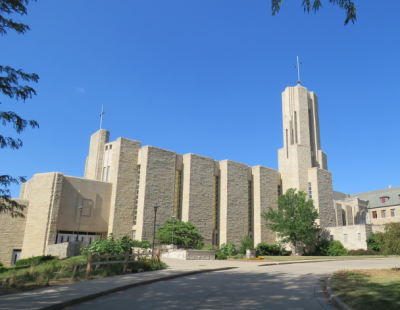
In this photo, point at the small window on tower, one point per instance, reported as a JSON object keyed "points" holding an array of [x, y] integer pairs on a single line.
{"points": [[374, 214], [110, 147]]}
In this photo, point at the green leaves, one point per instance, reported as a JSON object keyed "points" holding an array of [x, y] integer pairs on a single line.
{"points": [[294, 219], [11, 87], [315, 5], [182, 234]]}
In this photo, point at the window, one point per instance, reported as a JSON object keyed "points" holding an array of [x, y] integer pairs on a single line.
{"points": [[16, 254], [384, 199], [331, 237], [279, 190], [392, 212], [374, 214], [383, 213], [309, 190]]}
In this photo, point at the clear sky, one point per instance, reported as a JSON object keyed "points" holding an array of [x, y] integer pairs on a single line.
{"points": [[206, 77]]}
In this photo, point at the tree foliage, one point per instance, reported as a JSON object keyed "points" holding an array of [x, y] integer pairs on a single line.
{"points": [[182, 234], [111, 246], [315, 5], [294, 219], [14, 84], [387, 242]]}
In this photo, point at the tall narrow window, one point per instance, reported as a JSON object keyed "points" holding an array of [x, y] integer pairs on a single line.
{"points": [[279, 190], [287, 144], [215, 240], [178, 194], [295, 127], [136, 195], [392, 212], [309, 190], [250, 207], [374, 214]]}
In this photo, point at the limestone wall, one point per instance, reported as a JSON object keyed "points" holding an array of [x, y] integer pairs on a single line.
{"points": [[94, 161], [123, 176], [265, 191], [90, 195], [65, 249], [43, 193], [322, 195], [156, 186], [198, 194], [12, 234], [352, 237], [234, 206]]}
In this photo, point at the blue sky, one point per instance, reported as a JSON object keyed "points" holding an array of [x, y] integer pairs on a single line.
{"points": [[206, 77]]}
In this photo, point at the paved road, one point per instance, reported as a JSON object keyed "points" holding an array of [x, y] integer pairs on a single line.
{"points": [[250, 286]]}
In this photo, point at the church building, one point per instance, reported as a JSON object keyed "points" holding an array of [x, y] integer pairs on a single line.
{"points": [[124, 181]]}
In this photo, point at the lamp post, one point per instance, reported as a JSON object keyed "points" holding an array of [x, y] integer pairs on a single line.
{"points": [[173, 230], [154, 229]]}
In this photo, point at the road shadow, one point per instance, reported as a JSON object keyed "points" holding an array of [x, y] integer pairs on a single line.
{"points": [[220, 290]]}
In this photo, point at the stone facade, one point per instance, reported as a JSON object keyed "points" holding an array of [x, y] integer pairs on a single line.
{"points": [[12, 235], [124, 180], [199, 194], [352, 237], [234, 202]]}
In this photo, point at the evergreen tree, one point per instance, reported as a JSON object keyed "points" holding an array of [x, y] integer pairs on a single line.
{"points": [[294, 219], [14, 84]]}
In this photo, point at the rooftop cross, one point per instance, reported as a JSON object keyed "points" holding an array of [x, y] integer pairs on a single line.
{"points": [[101, 116], [298, 63]]}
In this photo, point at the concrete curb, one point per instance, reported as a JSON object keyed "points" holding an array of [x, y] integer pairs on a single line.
{"points": [[335, 299], [310, 261], [79, 300]]}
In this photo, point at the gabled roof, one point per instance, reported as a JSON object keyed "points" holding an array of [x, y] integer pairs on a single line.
{"points": [[374, 197]]}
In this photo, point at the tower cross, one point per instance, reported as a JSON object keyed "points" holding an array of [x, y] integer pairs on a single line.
{"points": [[101, 116], [298, 63]]}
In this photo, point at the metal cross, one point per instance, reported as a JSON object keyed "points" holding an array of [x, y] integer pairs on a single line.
{"points": [[101, 116], [298, 63]]}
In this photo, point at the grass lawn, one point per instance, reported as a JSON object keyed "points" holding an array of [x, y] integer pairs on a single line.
{"points": [[59, 272], [368, 289], [300, 258]]}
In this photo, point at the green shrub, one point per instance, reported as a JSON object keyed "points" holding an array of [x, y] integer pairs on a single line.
{"points": [[34, 260], [225, 251], [246, 243], [182, 234], [2, 268], [375, 241], [335, 248], [113, 246], [388, 242], [362, 252], [391, 239], [265, 249]]}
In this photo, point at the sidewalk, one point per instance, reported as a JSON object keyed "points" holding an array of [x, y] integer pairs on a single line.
{"points": [[58, 297]]}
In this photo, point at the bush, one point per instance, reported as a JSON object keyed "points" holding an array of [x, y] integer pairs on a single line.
{"points": [[34, 260], [388, 242], [246, 243], [362, 252], [111, 246], [265, 249], [226, 250], [335, 248], [375, 242], [2, 268], [391, 239], [182, 234]]}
